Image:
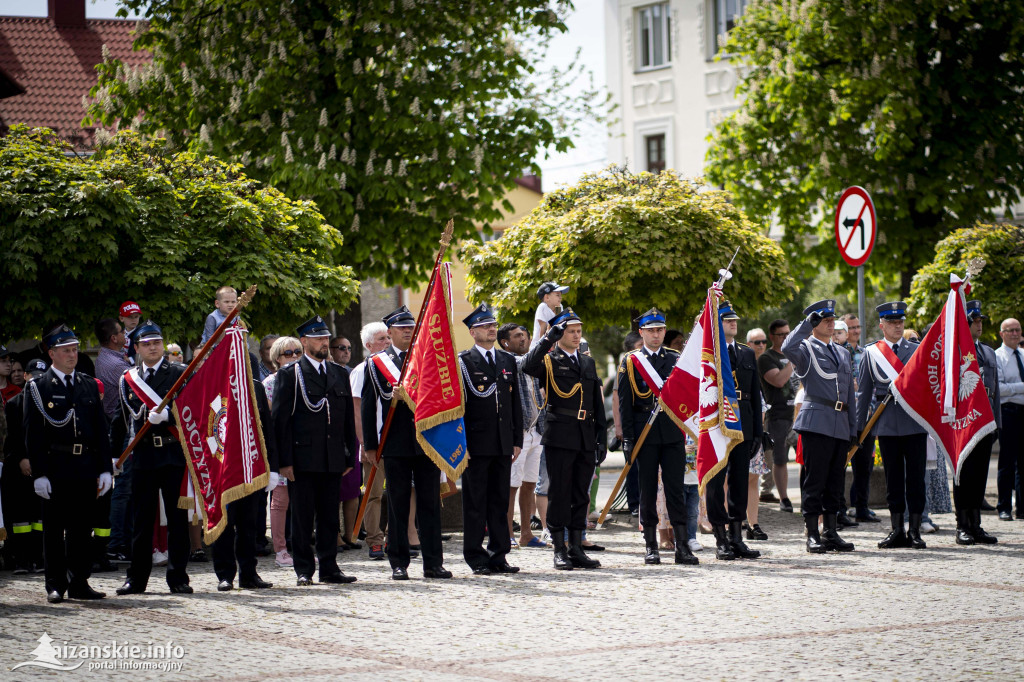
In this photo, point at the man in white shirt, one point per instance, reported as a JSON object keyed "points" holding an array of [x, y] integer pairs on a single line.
{"points": [[1010, 362]]}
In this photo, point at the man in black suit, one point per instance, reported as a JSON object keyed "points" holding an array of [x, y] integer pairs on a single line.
{"points": [[66, 441], [405, 462], [158, 463], [748, 391], [494, 437], [573, 433], [665, 444], [314, 424]]}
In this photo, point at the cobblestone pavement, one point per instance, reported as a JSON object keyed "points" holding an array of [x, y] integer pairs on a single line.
{"points": [[947, 612]]}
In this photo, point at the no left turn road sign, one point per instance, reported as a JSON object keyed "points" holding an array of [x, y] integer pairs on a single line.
{"points": [[855, 225]]}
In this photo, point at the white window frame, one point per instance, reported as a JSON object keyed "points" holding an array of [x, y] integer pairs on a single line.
{"points": [[647, 128], [718, 21], [643, 16]]}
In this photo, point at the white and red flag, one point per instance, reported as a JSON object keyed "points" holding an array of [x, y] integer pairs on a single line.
{"points": [[941, 386], [220, 432], [700, 393]]}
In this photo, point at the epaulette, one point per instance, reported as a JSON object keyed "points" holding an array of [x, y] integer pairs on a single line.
{"points": [[671, 350]]}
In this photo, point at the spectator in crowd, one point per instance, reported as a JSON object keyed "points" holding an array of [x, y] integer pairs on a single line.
{"points": [[759, 462], [550, 295], [266, 366], [1010, 472], [840, 333], [853, 343], [18, 374], [630, 343], [863, 462], [341, 351], [675, 340], [224, 302], [7, 388], [129, 315], [780, 385], [174, 354]]}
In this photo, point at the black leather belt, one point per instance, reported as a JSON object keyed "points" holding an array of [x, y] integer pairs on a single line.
{"points": [[739, 395], [575, 414], [837, 405], [155, 441], [71, 448]]}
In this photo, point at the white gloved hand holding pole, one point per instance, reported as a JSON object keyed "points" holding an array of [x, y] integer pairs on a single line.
{"points": [[274, 480], [104, 483], [159, 417], [42, 487]]}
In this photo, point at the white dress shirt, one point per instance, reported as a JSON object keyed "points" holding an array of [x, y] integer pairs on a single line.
{"points": [[1011, 384]]}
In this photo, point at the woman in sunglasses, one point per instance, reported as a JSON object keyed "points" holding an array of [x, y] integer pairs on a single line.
{"points": [[285, 351]]}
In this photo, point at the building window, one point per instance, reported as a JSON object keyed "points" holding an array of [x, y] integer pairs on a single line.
{"points": [[654, 37], [655, 147], [727, 13]]}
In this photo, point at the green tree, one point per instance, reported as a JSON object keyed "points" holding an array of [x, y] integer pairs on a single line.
{"points": [[918, 101], [997, 286], [83, 235], [625, 242], [393, 115]]}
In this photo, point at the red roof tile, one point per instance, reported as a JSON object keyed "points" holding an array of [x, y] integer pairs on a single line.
{"points": [[56, 67]]}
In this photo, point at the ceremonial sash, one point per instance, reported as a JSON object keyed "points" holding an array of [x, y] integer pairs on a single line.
{"points": [[647, 371], [150, 398], [387, 367], [885, 360]]}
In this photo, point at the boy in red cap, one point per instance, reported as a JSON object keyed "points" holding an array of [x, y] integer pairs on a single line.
{"points": [[130, 314]]}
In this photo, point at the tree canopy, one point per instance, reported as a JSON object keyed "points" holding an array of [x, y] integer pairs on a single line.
{"points": [[997, 286], [624, 243], [81, 235], [918, 101], [393, 115]]}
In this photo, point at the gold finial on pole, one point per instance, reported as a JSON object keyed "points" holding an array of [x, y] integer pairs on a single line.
{"points": [[246, 296], [975, 266], [449, 230]]}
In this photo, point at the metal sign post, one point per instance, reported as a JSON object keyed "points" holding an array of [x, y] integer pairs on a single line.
{"points": [[856, 229]]}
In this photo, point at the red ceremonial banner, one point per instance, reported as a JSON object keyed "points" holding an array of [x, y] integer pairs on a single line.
{"points": [[941, 386], [221, 432]]}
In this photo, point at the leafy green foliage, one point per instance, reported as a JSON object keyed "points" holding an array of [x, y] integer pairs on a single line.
{"points": [[915, 100], [624, 243], [166, 230], [997, 286], [393, 115]]}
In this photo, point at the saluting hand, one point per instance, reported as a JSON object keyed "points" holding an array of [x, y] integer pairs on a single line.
{"points": [[556, 332]]}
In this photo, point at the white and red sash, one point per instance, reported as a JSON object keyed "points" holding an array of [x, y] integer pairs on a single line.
{"points": [[885, 360], [650, 375], [387, 367], [150, 398]]}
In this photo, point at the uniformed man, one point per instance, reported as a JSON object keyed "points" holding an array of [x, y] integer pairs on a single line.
{"points": [[573, 433], [665, 444], [729, 541], [405, 463], [158, 463], [314, 424], [826, 423], [904, 444], [66, 439], [970, 492], [494, 437]]}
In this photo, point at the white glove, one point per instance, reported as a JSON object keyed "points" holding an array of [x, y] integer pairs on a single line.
{"points": [[159, 417], [274, 480], [42, 487], [105, 482], [117, 469]]}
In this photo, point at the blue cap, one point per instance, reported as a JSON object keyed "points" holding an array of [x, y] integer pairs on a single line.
{"points": [[567, 316], [314, 327], [481, 315], [36, 366], [3, 351], [60, 336], [726, 312], [148, 330], [825, 308], [652, 319], [974, 311], [401, 317], [894, 310]]}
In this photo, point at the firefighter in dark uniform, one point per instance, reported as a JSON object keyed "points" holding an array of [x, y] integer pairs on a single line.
{"points": [[158, 463], [665, 444], [405, 463], [66, 438], [494, 437], [574, 432], [315, 428]]}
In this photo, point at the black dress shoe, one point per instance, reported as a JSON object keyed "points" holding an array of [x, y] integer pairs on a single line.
{"points": [[593, 547], [303, 581], [183, 588], [399, 573], [504, 567], [785, 505], [338, 578], [54, 597], [439, 572], [1005, 516], [481, 570], [755, 533], [84, 592], [254, 583], [985, 506], [844, 521], [225, 586], [130, 588], [867, 516]]}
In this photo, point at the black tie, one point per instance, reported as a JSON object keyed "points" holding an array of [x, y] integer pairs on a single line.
{"points": [[896, 349], [732, 355], [1020, 365], [832, 351], [490, 360], [150, 371], [323, 372], [401, 359], [576, 363], [70, 383]]}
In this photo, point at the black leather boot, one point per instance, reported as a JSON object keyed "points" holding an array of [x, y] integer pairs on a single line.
{"points": [[723, 548], [830, 537], [577, 556], [980, 536], [963, 527], [562, 562], [897, 537], [739, 548], [844, 521], [683, 553], [914, 532], [651, 540], [814, 545]]}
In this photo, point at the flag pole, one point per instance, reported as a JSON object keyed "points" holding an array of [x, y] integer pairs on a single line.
{"points": [[446, 238], [867, 428], [629, 462], [243, 301]]}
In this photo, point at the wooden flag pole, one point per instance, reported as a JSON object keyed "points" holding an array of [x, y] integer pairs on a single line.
{"points": [[867, 428], [446, 238], [243, 301], [629, 462]]}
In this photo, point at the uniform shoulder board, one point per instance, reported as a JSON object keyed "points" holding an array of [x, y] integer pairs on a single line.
{"points": [[740, 343], [671, 351], [464, 353], [501, 351]]}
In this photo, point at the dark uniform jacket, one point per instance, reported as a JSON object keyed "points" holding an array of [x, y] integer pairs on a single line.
{"points": [[312, 442], [158, 448], [402, 435], [637, 401], [990, 378], [572, 423], [894, 421], [267, 424], [78, 450], [494, 425], [748, 390]]}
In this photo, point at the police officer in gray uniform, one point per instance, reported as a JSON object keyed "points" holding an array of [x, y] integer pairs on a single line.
{"points": [[826, 422], [904, 444]]}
